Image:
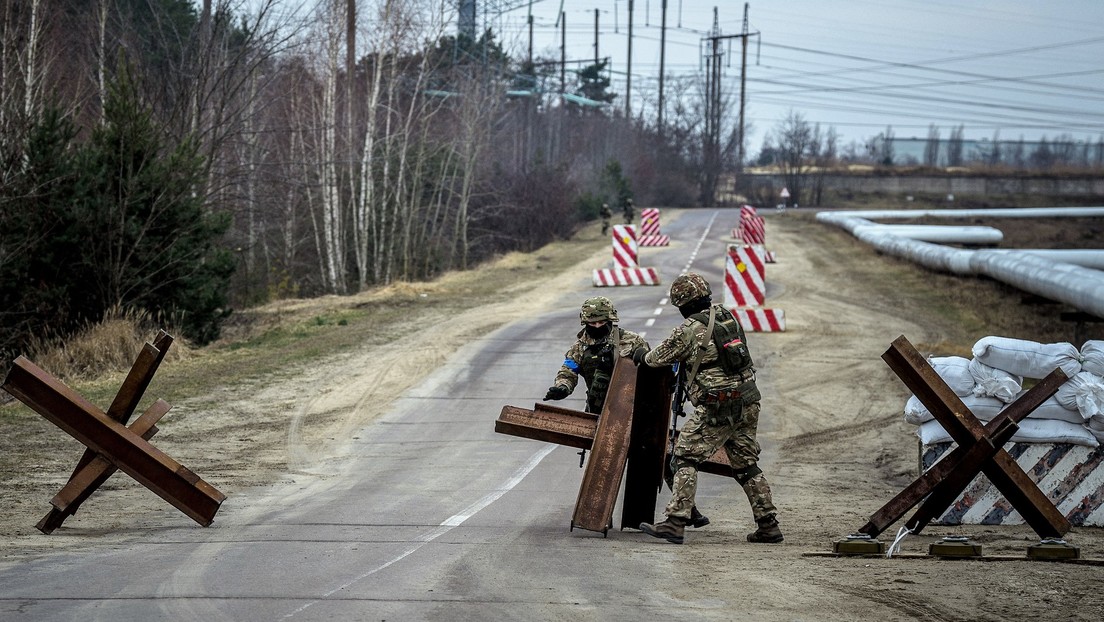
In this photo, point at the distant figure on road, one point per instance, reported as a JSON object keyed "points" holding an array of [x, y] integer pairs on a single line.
{"points": [[606, 213], [592, 355], [627, 209], [721, 386]]}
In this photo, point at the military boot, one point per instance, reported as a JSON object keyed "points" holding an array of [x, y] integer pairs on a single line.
{"points": [[768, 531], [697, 519], [671, 529]]}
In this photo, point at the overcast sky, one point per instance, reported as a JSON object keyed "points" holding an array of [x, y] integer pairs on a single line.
{"points": [[1023, 68]]}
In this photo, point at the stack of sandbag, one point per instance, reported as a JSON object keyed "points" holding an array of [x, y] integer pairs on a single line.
{"points": [[994, 378]]}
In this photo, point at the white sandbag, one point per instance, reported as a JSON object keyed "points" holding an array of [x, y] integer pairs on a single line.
{"points": [[1028, 359], [1053, 409], [955, 371], [1092, 357], [1031, 431], [984, 408], [1095, 427], [1084, 392], [992, 382]]}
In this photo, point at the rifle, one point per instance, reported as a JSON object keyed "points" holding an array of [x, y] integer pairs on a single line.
{"points": [[677, 410]]}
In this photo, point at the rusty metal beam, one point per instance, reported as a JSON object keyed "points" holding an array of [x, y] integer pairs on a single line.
{"points": [[550, 424], [122, 407], [968, 458], [128, 451], [89, 477], [647, 445], [609, 452]]}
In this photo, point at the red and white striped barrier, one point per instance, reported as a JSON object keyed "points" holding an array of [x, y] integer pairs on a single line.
{"points": [[654, 240], [745, 290], [649, 229], [768, 256], [621, 277], [761, 320], [752, 230], [624, 246], [748, 211], [744, 277], [1072, 476], [649, 221]]}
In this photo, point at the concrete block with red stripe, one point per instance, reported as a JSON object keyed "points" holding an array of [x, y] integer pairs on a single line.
{"points": [[761, 320], [624, 277], [626, 270], [649, 229], [744, 277], [745, 290], [624, 246]]}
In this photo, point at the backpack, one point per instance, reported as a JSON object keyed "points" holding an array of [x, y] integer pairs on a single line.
{"points": [[728, 336]]}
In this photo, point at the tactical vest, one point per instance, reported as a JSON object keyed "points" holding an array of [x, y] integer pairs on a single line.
{"points": [[596, 368], [733, 355]]}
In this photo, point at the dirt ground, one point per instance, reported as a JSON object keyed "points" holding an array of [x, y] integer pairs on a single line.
{"points": [[836, 446]]}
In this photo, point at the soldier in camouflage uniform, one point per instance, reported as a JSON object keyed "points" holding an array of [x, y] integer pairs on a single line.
{"points": [[627, 211], [606, 213], [721, 386], [599, 344]]}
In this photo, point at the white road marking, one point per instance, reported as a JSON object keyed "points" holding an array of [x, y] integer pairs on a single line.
{"points": [[451, 522]]}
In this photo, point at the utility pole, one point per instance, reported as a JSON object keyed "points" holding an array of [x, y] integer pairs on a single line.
{"points": [[712, 155], [595, 36], [628, 69], [563, 52], [743, 91], [662, 57]]}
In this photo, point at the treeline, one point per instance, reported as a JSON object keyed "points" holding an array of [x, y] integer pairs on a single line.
{"points": [[188, 159]]}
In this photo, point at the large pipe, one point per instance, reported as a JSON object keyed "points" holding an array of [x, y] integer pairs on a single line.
{"points": [[1047, 273]]}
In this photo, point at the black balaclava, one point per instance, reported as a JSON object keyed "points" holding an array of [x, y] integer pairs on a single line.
{"points": [[598, 332], [694, 306]]}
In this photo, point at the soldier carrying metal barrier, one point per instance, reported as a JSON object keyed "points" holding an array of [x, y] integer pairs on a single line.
{"points": [[721, 386]]}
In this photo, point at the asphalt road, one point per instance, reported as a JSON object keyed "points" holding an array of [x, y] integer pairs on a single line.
{"points": [[432, 516]]}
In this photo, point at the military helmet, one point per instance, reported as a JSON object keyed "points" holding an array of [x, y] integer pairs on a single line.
{"points": [[597, 309], [688, 287]]}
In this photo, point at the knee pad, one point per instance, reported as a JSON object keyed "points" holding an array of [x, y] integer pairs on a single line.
{"points": [[743, 475]]}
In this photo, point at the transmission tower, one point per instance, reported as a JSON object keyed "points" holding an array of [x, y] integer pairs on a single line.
{"points": [[473, 13]]}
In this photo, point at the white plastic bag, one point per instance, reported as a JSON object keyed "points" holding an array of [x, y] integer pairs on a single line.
{"points": [[1031, 431], [993, 382], [1084, 392], [1092, 355], [1028, 359], [1053, 409], [955, 371], [984, 408]]}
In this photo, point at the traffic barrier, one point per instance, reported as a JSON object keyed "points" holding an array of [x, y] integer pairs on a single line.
{"points": [[649, 229], [654, 240], [752, 230], [744, 277], [766, 255], [621, 277], [745, 290], [1072, 476], [624, 246], [761, 320]]}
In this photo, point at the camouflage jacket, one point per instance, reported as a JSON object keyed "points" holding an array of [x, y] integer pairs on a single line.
{"points": [[580, 357], [682, 346]]}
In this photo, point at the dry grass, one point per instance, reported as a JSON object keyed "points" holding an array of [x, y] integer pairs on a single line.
{"points": [[106, 347]]}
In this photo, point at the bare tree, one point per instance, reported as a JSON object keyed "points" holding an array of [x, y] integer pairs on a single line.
{"points": [[955, 146], [931, 147], [795, 140]]}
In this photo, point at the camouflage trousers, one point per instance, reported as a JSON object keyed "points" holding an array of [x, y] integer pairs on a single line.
{"points": [[704, 432]]}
